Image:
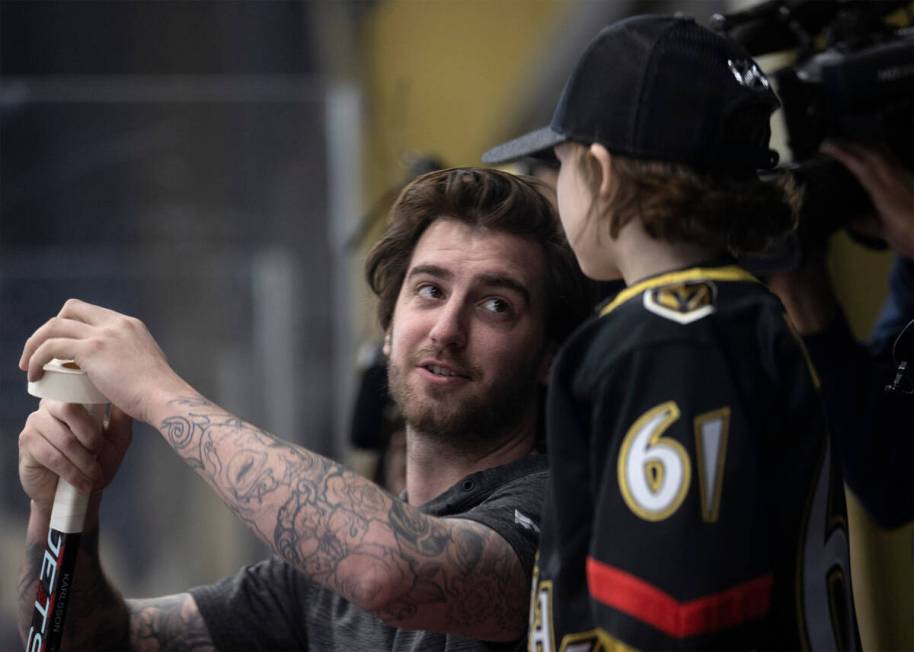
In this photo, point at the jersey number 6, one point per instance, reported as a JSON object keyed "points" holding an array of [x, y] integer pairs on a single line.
{"points": [[654, 471]]}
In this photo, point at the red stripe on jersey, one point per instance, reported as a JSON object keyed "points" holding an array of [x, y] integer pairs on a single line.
{"points": [[635, 597]]}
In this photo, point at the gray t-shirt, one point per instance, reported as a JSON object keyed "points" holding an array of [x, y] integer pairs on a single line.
{"points": [[270, 606]]}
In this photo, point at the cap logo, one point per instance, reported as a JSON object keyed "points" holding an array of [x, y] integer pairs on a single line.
{"points": [[748, 74]]}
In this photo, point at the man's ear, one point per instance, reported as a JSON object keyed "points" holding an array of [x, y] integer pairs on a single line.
{"points": [[385, 349], [602, 160]]}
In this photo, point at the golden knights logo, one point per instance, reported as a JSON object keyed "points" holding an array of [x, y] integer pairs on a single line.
{"points": [[682, 302]]}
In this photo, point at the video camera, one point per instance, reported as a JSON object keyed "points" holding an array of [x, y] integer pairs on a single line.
{"points": [[852, 79]]}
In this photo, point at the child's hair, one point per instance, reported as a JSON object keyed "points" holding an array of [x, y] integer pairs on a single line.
{"points": [[677, 203]]}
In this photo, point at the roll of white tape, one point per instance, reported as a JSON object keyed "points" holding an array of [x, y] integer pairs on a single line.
{"points": [[63, 380]]}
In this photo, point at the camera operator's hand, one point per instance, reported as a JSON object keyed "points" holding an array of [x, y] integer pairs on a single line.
{"points": [[807, 295], [890, 187]]}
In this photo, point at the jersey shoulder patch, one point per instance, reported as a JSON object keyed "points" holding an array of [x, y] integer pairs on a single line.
{"points": [[684, 302]]}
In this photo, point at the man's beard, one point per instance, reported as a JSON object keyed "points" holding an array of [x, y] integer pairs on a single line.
{"points": [[464, 418]]}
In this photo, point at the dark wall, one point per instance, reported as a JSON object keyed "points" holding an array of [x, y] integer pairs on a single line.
{"points": [[167, 159]]}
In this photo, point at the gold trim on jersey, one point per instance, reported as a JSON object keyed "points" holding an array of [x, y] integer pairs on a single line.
{"points": [[799, 340], [541, 637], [837, 588], [728, 273], [598, 639]]}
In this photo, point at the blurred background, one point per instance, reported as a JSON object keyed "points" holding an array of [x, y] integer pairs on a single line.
{"points": [[219, 170]]}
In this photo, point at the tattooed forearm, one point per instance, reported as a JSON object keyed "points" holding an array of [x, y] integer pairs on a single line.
{"points": [[27, 586], [178, 431], [97, 616], [414, 532], [349, 535], [169, 623]]}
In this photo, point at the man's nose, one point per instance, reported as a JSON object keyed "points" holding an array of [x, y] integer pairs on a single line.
{"points": [[449, 329]]}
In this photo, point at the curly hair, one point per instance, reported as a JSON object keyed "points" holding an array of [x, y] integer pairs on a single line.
{"points": [[677, 203], [490, 199]]}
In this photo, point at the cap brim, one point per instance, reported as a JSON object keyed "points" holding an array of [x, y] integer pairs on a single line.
{"points": [[537, 143]]}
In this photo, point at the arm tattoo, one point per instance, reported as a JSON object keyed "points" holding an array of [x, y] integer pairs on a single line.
{"points": [[414, 532], [349, 535], [27, 585], [169, 623]]}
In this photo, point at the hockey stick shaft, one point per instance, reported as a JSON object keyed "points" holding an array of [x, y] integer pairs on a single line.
{"points": [[55, 580]]}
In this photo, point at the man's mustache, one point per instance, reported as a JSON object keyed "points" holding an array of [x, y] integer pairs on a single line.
{"points": [[458, 363]]}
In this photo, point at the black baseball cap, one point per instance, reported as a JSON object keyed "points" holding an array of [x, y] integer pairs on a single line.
{"points": [[661, 88]]}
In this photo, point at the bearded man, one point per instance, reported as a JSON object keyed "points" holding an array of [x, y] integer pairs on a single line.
{"points": [[476, 288]]}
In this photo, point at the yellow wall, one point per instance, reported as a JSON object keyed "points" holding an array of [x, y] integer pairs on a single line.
{"points": [[440, 75], [438, 78], [859, 275]]}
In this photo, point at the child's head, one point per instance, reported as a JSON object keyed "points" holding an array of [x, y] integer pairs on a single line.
{"points": [[666, 122], [675, 202]]}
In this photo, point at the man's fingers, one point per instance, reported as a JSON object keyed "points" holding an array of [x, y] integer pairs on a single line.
{"points": [[75, 320], [878, 162], [59, 347], [61, 437], [78, 421], [47, 443], [888, 168], [85, 312], [50, 457], [871, 167], [55, 327], [845, 154]]}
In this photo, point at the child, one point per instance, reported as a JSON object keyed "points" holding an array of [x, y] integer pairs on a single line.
{"points": [[691, 502]]}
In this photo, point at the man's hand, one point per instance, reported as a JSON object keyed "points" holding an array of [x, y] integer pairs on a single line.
{"points": [[61, 440], [117, 352], [890, 187]]}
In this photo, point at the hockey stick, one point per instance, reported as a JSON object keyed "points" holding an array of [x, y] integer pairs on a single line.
{"points": [[62, 381]]}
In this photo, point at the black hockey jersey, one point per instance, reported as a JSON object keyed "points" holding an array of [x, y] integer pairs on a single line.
{"points": [[692, 502]]}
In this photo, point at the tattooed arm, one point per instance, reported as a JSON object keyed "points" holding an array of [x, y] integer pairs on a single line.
{"points": [[345, 533], [172, 622], [342, 531]]}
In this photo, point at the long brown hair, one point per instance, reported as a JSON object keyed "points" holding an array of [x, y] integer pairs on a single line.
{"points": [[679, 204]]}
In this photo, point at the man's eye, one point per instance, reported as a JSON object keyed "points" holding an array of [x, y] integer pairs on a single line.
{"points": [[428, 291], [494, 304]]}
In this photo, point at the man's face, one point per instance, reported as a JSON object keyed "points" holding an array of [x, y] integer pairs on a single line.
{"points": [[467, 346]]}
